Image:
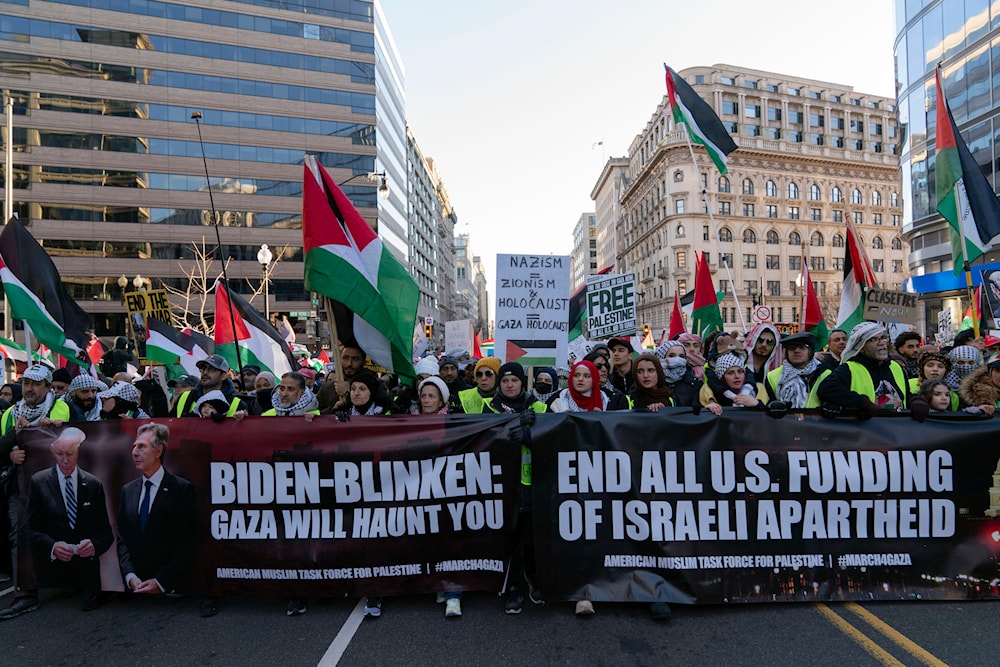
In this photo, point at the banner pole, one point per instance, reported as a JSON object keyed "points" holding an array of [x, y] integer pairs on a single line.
{"points": [[965, 261], [718, 241], [334, 339]]}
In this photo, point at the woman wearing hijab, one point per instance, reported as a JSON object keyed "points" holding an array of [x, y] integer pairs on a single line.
{"points": [[366, 397], [731, 371], [432, 397], [583, 393], [933, 366], [546, 384], [694, 352], [677, 373], [981, 387], [965, 359]]}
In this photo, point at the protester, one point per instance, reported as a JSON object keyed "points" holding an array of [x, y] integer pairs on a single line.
{"points": [[352, 362], [981, 387], [486, 384], [737, 391], [81, 398], [678, 375], [764, 350], [907, 346], [213, 405], [248, 378], [545, 384], [433, 396], [60, 382], [448, 369], [365, 398], [117, 359], [938, 395], [214, 371], [616, 399], [10, 393], [791, 382], [621, 365], [264, 380], [933, 366], [964, 360], [694, 352], [583, 393], [651, 393], [292, 398], [835, 345], [180, 386], [121, 401]]}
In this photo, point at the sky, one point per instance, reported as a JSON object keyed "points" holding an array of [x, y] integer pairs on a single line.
{"points": [[510, 97]]}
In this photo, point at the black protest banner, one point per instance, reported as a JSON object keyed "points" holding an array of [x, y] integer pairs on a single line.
{"points": [[286, 507], [744, 508]]}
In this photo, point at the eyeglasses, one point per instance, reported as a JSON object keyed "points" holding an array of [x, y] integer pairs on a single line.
{"points": [[878, 339], [770, 342], [484, 374], [600, 366]]}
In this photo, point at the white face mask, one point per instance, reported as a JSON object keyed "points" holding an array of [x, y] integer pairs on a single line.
{"points": [[674, 368]]}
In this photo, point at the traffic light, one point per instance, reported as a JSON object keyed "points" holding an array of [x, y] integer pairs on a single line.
{"points": [[645, 330], [428, 330]]}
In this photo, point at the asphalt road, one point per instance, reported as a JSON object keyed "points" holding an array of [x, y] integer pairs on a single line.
{"points": [[414, 631]]}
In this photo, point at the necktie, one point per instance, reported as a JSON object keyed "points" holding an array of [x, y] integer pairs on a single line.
{"points": [[70, 502], [144, 507]]}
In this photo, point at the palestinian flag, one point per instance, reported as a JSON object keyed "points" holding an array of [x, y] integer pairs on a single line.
{"points": [[705, 316], [858, 275], [374, 297], [36, 294], [965, 198], [676, 321], [257, 341], [15, 351], [539, 352], [703, 125], [167, 345], [812, 315]]}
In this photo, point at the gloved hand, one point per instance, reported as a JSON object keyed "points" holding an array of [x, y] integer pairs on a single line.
{"points": [[867, 409], [777, 409], [218, 417], [342, 415], [919, 408], [830, 410], [517, 434], [696, 408], [527, 418]]}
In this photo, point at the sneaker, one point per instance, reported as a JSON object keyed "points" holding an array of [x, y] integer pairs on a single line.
{"points": [[21, 605], [296, 607], [514, 602], [440, 598], [584, 608], [373, 607], [452, 608], [659, 611], [534, 592]]}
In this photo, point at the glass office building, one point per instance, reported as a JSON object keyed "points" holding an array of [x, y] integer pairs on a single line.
{"points": [[108, 168], [964, 36]]}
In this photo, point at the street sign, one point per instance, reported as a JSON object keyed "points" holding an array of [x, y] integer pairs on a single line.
{"points": [[429, 320], [298, 313], [761, 314], [887, 306]]}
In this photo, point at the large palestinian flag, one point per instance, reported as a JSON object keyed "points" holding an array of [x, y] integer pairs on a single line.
{"points": [[167, 345], [703, 125], [240, 329]]}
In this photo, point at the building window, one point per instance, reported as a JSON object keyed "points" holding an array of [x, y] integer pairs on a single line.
{"points": [[793, 91], [896, 244], [814, 193], [704, 180], [723, 184], [876, 218], [751, 110], [772, 87], [794, 239], [726, 235], [772, 211], [753, 130], [836, 123], [856, 197], [750, 84], [893, 200], [681, 260], [878, 266], [705, 233], [749, 261], [895, 221], [773, 288], [795, 263], [858, 145], [816, 139], [876, 147], [748, 210], [772, 237], [747, 186], [836, 196], [774, 133], [816, 214], [726, 258], [773, 262], [680, 232], [724, 288], [837, 241], [837, 142], [857, 126], [679, 206], [877, 243], [732, 127], [793, 191], [875, 129], [770, 189], [795, 117], [859, 218], [727, 80], [682, 286], [817, 263], [731, 108], [795, 136], [749, 236], [876, 198], [793, 212], [725, 208], [816, 240], [774, 113], [678, 176], [838, 263], [838, 216], [897, 266]]}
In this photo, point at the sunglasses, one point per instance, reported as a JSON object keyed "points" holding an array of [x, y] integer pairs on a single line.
{"points": [[484, 374], [766, 341], [600, 366]]}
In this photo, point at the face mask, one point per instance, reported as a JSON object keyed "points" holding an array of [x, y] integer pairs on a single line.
{"points": [[543, 387], [674, 368]]}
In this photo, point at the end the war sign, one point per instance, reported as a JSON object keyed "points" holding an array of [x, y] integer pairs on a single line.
{"points": [[611, 306], [532, 310]]}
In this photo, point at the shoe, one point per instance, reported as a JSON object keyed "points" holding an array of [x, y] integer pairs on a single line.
{"points": [[208, 607], [534, 592], [21, 605], [373, 607], [659, 611], [452, 608], [91, 600], [296, 607], [440, 598], [584, 608], [514, 602]]}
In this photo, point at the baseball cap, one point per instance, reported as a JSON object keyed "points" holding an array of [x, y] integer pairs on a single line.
{"points": [[621, 342], [122, 390], [184, 381], [38, 373], [215, 361], [991, 340]]}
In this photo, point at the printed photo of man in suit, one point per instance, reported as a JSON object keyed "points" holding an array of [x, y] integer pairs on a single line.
{"points": [[67, 523], [156, 520]]}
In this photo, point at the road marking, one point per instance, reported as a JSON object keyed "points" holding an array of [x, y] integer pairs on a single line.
{"points": [[858, 637], [895, 635], [340, 643]]}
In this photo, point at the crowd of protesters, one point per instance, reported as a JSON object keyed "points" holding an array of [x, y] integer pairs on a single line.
{"points": [[858, 374]]}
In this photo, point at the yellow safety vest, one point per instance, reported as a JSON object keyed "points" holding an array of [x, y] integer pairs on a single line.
{"points": [[539, 408], [182, 404], [58, 412]]}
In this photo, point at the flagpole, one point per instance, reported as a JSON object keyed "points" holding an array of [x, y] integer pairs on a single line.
{"points": [[711, 217], [8, 208], [334, 339], [965, 260]]}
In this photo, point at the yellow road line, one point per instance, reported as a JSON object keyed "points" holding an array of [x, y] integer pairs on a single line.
{"points": [[908, 644], [858, 637]]}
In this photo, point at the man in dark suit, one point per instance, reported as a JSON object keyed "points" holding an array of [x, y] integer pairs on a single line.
{"points": [[155, 520], [67, 522]]}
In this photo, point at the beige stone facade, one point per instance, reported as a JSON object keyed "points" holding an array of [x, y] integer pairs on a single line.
{"points": [[810, 153]]}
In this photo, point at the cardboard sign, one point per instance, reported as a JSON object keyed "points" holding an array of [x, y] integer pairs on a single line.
{"points": [[141, 306], [458, 335], [611, 306], [887, 306], [532, 313]]}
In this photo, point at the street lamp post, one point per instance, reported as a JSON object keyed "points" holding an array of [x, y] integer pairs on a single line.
{"points": [[264, 256], [383, 188]]}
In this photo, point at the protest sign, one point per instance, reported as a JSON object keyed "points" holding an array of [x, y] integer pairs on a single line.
{"points": [[141, 306], [611, 306], [532, 312], [458, 335]]}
